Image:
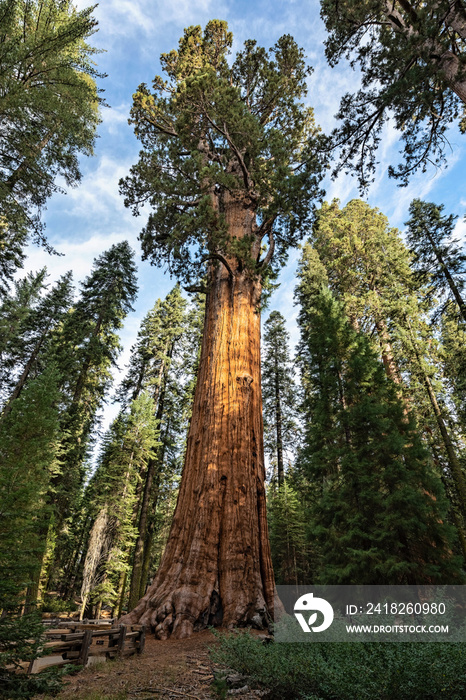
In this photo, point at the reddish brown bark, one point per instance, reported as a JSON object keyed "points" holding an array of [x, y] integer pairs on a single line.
{"points": [[217, 567]]}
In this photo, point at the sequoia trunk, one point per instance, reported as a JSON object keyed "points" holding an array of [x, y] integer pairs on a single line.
{"points": [[216, 568]]}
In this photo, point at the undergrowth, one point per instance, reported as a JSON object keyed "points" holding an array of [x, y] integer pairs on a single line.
{"points": [[347, 671]]}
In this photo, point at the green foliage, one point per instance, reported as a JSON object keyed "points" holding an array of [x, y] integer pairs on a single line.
{"points": [[411, 55], [376, 507], [51, 604], [227, 134], [454, 346], [157, 340], [20, 640], [345, 671], [30, 321], [366, 262], [278, 394], [85, 348], [369, 271], [15, 311], [28, 461], [220, 688], [438, 260], [49, 109], [288, 524], [113, 494]]}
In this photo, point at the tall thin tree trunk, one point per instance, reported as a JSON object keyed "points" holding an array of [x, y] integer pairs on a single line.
{"points": [[278, 421], [33, 589], [152, 467], [121, 592], [388, 359], [450, 281], [217, 564], [453, 461], [147, 557], [455, 466]]}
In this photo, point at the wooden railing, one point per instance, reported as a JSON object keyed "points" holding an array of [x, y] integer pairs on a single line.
{"points": [[83, 644]]}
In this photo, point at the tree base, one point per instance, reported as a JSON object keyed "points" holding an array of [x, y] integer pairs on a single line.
{"points": [[171, 619]]}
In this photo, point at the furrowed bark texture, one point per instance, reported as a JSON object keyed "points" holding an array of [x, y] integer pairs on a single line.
{"points": [[216, 568]]}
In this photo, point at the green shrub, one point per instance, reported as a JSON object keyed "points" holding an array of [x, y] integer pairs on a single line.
{"points": [[51, 604], [20, 640], [348, 671]]}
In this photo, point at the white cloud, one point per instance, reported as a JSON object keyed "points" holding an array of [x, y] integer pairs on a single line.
{"points": [[97, 196], [75, 255], [114, 118], [118, 18], [459, 231]]}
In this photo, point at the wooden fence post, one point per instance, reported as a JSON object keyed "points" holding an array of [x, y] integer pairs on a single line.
{"points": [[86, 643], [121, 640], [142, 640]]}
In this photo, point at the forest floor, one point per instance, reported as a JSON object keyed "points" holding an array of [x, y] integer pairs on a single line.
{"points": [[173, 669]]}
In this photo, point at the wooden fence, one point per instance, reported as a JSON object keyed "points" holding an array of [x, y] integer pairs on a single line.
{"points": [[83, 644]]}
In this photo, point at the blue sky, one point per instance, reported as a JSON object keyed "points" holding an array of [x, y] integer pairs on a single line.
{"points": [[133, 33]]}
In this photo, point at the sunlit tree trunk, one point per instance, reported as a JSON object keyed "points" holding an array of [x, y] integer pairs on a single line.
{"points": [[217, 567]]}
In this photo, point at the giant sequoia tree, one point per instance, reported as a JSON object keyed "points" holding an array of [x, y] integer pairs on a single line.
{"points": [[226, 165], [411, 54]]}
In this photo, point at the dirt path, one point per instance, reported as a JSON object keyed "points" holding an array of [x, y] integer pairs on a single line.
{"points": [[173, 670]]}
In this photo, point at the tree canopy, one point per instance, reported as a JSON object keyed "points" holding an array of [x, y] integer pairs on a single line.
{"points": [[411, 55], [49, 111], [438, 259], [210, 130]]}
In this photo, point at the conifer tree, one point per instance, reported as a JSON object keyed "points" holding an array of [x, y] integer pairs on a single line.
{"points": [[49, 110], [126, 452], [85, 348], [438, 261], [162, 363], [411, 55], [454, 364], [15, 310], [377, 508], [88, 346], [29, 458], [32, 345], [288, 524], [29, 441], [228, 162], [278, 393], [369, 270]]}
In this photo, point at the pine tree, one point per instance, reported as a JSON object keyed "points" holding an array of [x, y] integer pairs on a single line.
{"points": [[377, 507], [369, 270], [15, 310], [88, 346], [32, 345], [438, 261], [454, 364], [85, 347], [127, 450], [278, 393], [49, 109], [291, 552], [29, 451], [242, 168], [411, 55]]}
